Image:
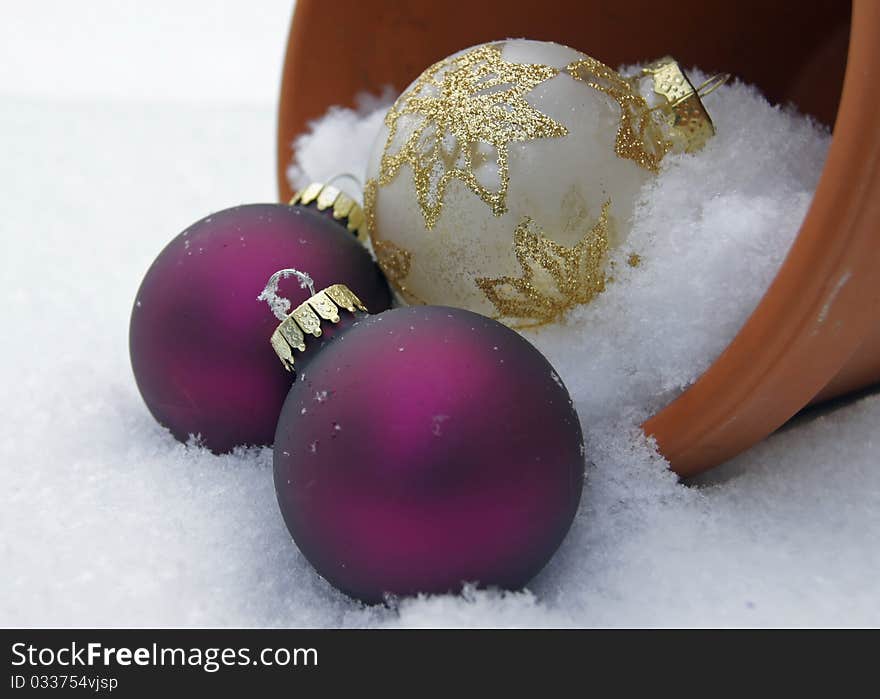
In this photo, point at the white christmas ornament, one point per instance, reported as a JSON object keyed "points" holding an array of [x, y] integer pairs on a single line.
{"points": [[504, 173]]}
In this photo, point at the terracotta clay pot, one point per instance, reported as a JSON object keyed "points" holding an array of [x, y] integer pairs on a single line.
{"points": [[816, 333]]}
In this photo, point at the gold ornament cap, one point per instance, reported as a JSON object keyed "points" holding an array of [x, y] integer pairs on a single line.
{"points": [[306, 319], [342, 207], [688, 124]]}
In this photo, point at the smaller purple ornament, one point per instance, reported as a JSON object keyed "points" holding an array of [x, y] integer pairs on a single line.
{"points": [[424, 448], [199, 338]]}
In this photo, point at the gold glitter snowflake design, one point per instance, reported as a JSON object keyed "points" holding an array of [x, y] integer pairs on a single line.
{"points": [[370, 193], [555, 278], [639, 136], [466, 107], [394, 260]]}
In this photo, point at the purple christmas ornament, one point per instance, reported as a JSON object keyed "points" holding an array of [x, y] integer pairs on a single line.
{"points": [[199, 337], [426, 447]]}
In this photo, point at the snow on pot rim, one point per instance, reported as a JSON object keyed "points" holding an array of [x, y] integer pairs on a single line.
{"points": [[816, 332]]}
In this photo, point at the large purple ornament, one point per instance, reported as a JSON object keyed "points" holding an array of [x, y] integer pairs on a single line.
{"points": [[427, 447], [199, 339]]}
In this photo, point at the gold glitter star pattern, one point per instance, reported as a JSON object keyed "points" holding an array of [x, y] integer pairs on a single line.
{"points": [[639, 136], [370, 193], [465, 108], [555, 278], [394, 260]]}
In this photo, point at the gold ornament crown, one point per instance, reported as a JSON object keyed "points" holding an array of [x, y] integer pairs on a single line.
{"points": [[306, 319], [344, 209], [689, 124]]}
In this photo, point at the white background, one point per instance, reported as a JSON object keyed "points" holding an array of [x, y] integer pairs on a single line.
{"points": [[185, 50]]}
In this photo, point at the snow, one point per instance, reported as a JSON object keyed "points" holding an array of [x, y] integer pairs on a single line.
{"points": [[107, 521], [342, 146]]}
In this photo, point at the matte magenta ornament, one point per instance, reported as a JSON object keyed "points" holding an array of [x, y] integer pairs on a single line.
{"points": [[199, 336], [424, 448]]}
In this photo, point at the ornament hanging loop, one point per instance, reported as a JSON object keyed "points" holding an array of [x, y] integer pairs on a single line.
{"points": [[708, 86], [279, 305], [348, 176]]}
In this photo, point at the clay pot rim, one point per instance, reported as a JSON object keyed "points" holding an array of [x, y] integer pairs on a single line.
{"points": [[822, 303]]}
